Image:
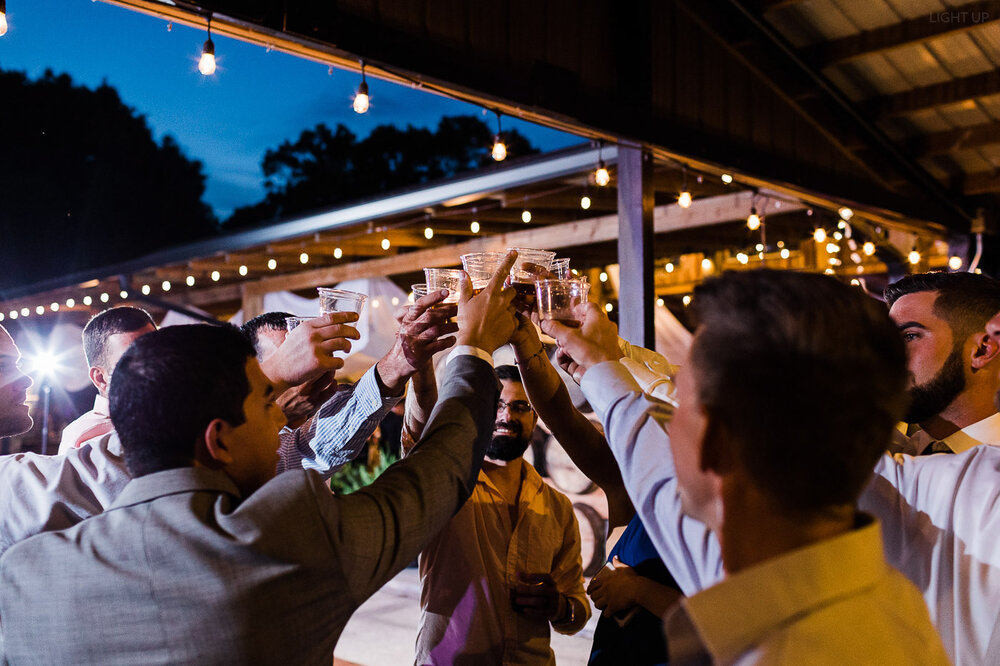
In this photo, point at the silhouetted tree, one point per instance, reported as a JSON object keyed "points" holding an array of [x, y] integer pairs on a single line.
{"points": [[84, 184], [325, 167]]}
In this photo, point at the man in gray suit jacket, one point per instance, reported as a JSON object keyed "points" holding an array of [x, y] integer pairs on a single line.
{"points": [[206, 557]]}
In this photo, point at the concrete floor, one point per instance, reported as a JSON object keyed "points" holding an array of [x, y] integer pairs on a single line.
{"points": [[383, 630]]}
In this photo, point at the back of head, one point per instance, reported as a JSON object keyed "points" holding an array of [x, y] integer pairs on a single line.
{"points": [[807, 374], [509, 373], [170, 385], [269, 321], [965, 300], [103, 325]]}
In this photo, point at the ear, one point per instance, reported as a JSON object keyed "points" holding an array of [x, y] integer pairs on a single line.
{"points": [[985, 349], [100, 379], [213, 450]]}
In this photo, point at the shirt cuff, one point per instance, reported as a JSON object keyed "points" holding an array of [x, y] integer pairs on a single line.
{"points": [[604, 383], [367, 388], [469, 350]]}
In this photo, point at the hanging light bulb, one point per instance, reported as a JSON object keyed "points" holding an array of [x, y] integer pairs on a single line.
{"points": [[13, 314], [659, 302], [585, 202], [206, 65], [361, 96], [428, 233], [145, 290], [25, 312], [54, 307], [105, 297], [385, 243], [499, 147], [785, 253], [243, 270], [727, 179], [601, 176], [819, 235], [955, 263], [832, 248], [603, 276], [707, 265], [753, 219], [189, 280], [337, 253], [123, 294], [216, 275], [272, 264], [846, 213], [3, 17], [87, 300], [474, 227], [669, 267], [914, 256], [526, 216], [71, 302], [304, 258], [868, 248], [684, 198], [40, 309], [743, 258], [686, 300]]}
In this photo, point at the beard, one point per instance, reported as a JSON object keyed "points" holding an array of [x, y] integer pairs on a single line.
{"points": [[508, 447], [929, 399]]}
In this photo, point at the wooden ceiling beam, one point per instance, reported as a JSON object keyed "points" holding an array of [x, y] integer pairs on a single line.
{"points": [[933, 96], [984, 182], [949, 141], [952, 21]]}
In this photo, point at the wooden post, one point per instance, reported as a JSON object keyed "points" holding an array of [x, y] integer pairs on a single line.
{"points": [[253, 302], [636, 295]]}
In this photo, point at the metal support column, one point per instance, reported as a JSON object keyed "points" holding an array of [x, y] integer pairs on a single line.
{"points": [[636, 294]]}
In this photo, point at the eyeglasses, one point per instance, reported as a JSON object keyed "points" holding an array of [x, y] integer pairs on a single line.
{"points": [[517, 407]]}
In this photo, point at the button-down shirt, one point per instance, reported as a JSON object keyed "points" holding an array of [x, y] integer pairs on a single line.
{"points": [[42, 493], [467, 573], [986, 431], [91, 425], [956, 505], [833, 602]]}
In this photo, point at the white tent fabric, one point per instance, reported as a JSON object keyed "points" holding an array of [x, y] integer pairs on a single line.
{"points": [[376, 325]]}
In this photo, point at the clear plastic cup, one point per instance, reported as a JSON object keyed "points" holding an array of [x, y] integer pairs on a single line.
{"points": [[340, 300], [482, 266], [292, 322], [530, 263], [558, 298], [444, 278], [418, 290], [560, 268]]}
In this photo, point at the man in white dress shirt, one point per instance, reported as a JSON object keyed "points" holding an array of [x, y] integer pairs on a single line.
{"points": [[752, 507], [14, 385]]}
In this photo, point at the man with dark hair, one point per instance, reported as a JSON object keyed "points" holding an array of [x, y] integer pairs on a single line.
{"points": [[208, 557], [261, 332], [508, 565], [954, 372], [799, 575], [105, 338], [14, 385]]}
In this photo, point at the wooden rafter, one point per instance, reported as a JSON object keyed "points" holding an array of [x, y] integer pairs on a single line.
{"points": [[939, 94], [962, 138]]}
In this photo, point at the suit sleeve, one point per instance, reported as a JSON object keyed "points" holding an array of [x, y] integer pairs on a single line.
{"points": [[380, 529]]}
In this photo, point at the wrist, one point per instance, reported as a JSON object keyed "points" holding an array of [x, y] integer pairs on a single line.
{"points": [[390, 379]]}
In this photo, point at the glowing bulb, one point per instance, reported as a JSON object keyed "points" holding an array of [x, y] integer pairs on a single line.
{"points": [[104, 297], [145, 290], [165, 286], [868, 248], [819, 235], [832, 248], [272, 264], [526, 216], [837, 235], [855, 282], [361, 100], [781, 244], [829, 271], [474, 227], [123, 294], [375, 303], [659, 302], [684, 200], [215, 276], [337, 253], [87, 300], [834, 261], [603, 277], [70, 303], [706, 264], [954, 263], [395, 300], [206, 65], [846, 213], [243, 269], [585, 202], [759, 247], [40, 309], [601, 176], [3, 23], [428, 233], [13, 314], [304, 258], [687, 299], [743, 258], [25, 312], [914, 256], [608, 307], [727, 179], [841, 225], [785, 253], [385, 243], [189, 280], [499, 149], [855, 257], [54, 307], [669, 267], [753, 220], [1, 316]]}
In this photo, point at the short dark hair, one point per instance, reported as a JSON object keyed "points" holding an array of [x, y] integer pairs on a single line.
{"points": [[509, 373], [169, 385], [965, 300], [123, 319], [773, 351], [270, 321]]}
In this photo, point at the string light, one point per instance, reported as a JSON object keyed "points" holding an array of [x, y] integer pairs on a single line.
{"points": [[832, 248], [216, 275], [25, 312], [428, 233], [868, 248], [955, 263], [707, 265], [40, 309], [3, 17], [603, 277], [54, 307], [727, 179], [499, 151], [846, 213], [474, 227], [841, 225], [206, 65], [743, 258], [145, 290], [914, 256], [304, 258], [684, 199], [819, 235], [659, 302], [837, 235], [759, 247], [87, 300], [361, 96], [1, 316], [753, 220], [828, 271], [385, 243], [123, 294], [189, 280], [669, 267], [585, 202], [337, 253], [526, 216], [608, 307], [855, 282], [855, 257], [686, 300], [601, 176], [104, 297], [272, 264], [785, 253], [243, 270], [13, 314], [70, 303]]}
